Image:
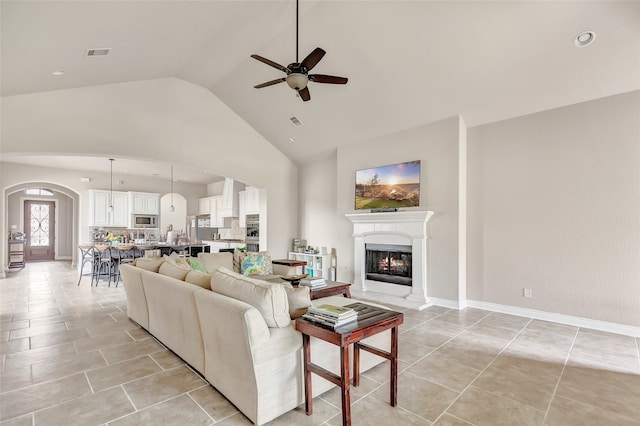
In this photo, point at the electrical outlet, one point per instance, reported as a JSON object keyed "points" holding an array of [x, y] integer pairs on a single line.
{"points": [[527, 292]]}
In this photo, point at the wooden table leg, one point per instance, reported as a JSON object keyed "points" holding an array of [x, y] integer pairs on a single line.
{"points": [[346, 394], [306, 351], [393, 397], [356, 364]]}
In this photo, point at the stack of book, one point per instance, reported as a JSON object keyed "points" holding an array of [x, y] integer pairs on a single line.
{"points": [[331, 315], [313, 282]]}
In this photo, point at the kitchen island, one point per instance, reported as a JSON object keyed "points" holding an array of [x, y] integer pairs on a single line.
{"points": [[217, 245], [165, 248]]}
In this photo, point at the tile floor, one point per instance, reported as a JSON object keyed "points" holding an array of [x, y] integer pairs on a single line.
{"points": [[70, 356]]}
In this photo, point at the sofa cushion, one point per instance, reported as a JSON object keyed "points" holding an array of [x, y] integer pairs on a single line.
{"points": [[149, 263], [213, 261], [201, 279], [171, 270], [256, 263], [271, 300]]}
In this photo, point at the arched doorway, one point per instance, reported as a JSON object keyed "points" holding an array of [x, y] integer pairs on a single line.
{"points": [[63, 218]]}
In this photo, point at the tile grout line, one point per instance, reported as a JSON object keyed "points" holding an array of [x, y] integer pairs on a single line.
{"points": [[196, 402], [483, 370]]}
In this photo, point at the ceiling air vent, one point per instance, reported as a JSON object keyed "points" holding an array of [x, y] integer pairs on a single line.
{"points": [[99, 52], [295, 121]]}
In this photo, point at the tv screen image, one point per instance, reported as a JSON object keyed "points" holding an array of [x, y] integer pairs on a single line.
{"points": [[386, 187]]}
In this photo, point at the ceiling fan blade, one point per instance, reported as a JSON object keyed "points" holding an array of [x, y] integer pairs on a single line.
{"points": [[312, 59], [304, 94], [270, 83], [331, 79], [269, 62]]}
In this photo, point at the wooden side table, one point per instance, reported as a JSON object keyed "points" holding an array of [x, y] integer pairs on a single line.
{"points": [[333, 288], [371, 321], [290, 263]]}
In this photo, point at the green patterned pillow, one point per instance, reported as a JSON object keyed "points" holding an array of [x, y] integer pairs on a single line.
{"points": [[196, 265], [256, 263]]}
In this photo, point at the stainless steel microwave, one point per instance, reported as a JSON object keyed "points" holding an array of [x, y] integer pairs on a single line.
{"points": [[144, 221]]}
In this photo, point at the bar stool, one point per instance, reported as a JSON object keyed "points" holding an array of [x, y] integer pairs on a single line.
{"points": [[121, 255], [87, 255], [104, 263]]}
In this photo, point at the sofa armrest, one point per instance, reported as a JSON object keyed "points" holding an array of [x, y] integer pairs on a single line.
{"points": [[137, 308]]}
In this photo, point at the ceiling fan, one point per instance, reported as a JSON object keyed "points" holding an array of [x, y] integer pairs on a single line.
{"points": [[298, 72]]}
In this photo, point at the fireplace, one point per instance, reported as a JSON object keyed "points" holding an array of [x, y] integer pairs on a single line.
{"points": [[389, 263], [397, 274]]}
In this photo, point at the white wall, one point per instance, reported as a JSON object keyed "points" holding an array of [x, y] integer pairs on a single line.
{"points": [[168, 120], [554, 206], [436, 145], [318, 209]]}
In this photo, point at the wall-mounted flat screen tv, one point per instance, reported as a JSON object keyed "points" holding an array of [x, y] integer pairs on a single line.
{"points": [[388, 187]]}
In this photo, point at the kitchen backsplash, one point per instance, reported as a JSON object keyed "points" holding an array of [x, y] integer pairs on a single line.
{"points": [[233, 233]]}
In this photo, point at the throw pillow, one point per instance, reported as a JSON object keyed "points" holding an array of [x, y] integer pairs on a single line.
{"points": [[149, 263], [212, 261], [299, 299], [196, 264], [269, 299], [256, 263], [177, 261], [201, 279], [171, 270]]}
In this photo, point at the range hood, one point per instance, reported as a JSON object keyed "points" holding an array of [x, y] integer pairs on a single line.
{"points": [[230, 198]]}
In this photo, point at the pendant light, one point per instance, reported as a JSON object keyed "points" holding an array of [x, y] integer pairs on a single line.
{"points": [[110, 209], [171, 208]]}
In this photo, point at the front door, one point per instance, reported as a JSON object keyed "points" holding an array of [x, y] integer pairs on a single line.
{"points": [[39, 224]]}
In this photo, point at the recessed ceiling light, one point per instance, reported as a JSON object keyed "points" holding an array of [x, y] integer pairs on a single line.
{"points": [[585, 38], [292, 138], [57, 73]]}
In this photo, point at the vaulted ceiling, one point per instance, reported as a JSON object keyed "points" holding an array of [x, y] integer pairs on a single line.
{"points": [[408, 62]]}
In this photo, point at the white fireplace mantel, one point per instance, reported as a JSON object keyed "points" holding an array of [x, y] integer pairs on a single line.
{"points": [[404, 227]]}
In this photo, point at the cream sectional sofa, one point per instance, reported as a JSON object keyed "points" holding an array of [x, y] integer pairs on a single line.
{"points": [[239, 335]]}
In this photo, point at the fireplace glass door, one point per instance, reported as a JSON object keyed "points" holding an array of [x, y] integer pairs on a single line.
{"points": [[388, 263]]}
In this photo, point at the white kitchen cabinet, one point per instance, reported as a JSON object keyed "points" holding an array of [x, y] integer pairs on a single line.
{"points": [[217, 221], [144, 203], [318, 265], [204, 205], [229, 206], [253, 200], [99, 202]]}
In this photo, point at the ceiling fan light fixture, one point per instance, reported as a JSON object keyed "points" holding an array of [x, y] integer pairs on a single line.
{"points": [[297, 81]]}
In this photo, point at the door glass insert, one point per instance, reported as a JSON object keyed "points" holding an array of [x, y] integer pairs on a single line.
{"points": [[39, 225]]}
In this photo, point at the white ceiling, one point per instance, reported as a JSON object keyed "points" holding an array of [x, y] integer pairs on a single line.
{"points": [[408, 62]]}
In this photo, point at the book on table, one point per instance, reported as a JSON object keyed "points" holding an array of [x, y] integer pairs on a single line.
{"points": [[314, 286], [312, 281], [333, 311], [329, 321]]}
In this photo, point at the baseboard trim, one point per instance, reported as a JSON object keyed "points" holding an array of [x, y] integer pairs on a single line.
{"points": [[451, 304], [610, 327]]}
